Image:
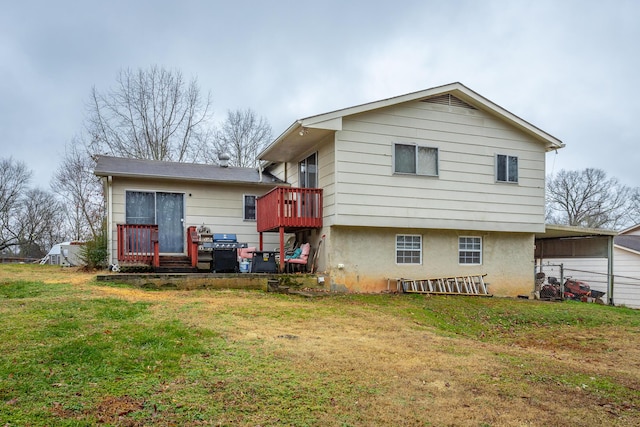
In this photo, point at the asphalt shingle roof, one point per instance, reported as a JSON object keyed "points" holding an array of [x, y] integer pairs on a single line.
{"points": [[629, 242], [118, 166]]}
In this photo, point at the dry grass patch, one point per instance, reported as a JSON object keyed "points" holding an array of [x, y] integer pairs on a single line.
{"points": [[252, 358]]}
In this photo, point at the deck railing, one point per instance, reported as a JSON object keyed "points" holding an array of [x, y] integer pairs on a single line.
{"points": [[138, 243], [192, 245], [289, 208]]}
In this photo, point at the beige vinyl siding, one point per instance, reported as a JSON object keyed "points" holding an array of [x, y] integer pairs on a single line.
{"points": [[464, 195], [279, 171], [635, 232], [217, 206], [626, 278], [326, 175], [326, 178]]}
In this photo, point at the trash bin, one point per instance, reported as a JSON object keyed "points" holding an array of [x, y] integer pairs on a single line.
{"points": [[264, 262]]}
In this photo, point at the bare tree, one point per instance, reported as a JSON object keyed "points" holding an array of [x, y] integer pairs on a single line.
{"points": [[635, 206], [588, 198], [151, 114], [40, 218], [81, 193], [14, 179], [29, 218], [242, 135]]}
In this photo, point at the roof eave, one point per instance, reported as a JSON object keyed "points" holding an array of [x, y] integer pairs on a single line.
{"points": [[290, 130], [555, 231], [182, 178]]}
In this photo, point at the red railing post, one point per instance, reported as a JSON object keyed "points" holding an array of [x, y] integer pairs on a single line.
{"points": [[156, 246], [192, 245]]}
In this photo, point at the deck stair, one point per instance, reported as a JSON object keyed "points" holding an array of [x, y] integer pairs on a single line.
{"points": [[175, 264], [457, 285]]}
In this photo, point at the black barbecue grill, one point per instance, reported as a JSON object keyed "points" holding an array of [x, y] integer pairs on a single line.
{"points": [[225, 253]]}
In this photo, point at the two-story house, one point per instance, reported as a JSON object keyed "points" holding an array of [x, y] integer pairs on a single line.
{"points": [[440, 182]]}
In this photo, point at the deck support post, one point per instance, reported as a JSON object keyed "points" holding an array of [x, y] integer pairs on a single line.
{"points": [[282, 249]]}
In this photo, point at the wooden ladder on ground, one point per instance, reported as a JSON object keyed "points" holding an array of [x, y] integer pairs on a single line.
{"points": [[457, 285]]}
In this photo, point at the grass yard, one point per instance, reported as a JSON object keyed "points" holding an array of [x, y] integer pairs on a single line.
{"points": [[74, 352]]}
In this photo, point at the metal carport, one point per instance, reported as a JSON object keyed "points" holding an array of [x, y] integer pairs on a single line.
{"points": [[563, 241]]}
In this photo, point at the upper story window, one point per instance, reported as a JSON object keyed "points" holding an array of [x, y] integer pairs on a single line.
{"points": [[408, 249], [415, 159], [506, 168], [309, 172], [249, 207], [470, 250]]}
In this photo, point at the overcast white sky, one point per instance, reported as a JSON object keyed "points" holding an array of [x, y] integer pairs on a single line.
{"points": [[571, 68]]}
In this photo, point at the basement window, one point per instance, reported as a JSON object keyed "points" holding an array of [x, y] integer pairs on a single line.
{"points": [[408, 249], [470, 250]]}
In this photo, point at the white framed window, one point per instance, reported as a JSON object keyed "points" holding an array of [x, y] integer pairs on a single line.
{"points": [[470, 250], [408, 249], [506, 168], [415, 159], [249, 207], [308, 169]]}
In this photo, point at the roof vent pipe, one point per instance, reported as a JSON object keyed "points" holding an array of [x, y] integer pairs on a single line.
{"points": [[223, 160]]}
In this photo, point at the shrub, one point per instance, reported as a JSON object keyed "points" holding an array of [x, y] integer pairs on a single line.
{"points": [[94, 252]]}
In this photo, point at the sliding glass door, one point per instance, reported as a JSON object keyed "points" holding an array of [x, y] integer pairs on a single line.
{"points": [[164, 209]]}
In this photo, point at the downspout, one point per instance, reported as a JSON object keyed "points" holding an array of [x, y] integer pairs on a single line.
{"points": [[260, 170], [109, 183], [610, 269]]}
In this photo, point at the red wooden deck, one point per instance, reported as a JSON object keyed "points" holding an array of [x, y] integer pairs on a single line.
{"points": [[283, 210], [289, 208]]}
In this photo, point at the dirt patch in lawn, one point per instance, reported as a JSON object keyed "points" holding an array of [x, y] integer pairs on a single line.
{"points": [[403, 372], [409, 374]]}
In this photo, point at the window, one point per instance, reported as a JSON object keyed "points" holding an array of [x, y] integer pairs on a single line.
{"points": [[470, 250], [506, 168], [140, 207], [414, 159], [408, 249], [249, 207], [309, 172], [166, 210]]}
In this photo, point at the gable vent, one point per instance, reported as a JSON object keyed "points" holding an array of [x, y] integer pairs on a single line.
{"points": [[450, 100]]}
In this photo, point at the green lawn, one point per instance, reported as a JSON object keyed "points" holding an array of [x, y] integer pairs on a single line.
{"points": [[74, 352]]}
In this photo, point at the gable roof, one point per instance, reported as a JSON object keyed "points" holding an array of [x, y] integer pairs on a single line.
{"points": [[324, 124], [631, 229], [630, 243], [138, 168]]}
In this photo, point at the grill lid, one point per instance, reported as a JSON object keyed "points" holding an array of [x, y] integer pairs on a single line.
{"points": [[222, 237]]}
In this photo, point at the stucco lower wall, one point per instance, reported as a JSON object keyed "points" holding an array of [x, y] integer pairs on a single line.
{"points": [[363, 259]]}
